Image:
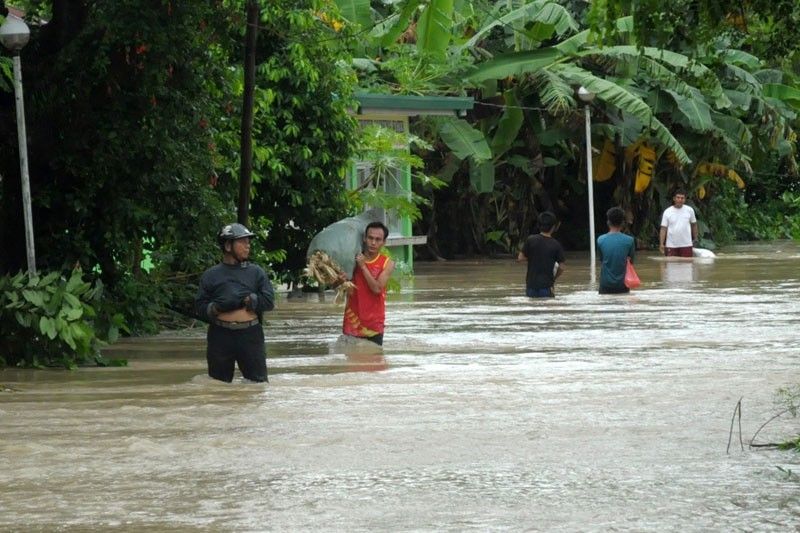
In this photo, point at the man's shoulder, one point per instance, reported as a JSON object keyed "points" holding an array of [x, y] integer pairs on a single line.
{"points": [[384, 261], [255, 268], [616, 236], [213, 268]]}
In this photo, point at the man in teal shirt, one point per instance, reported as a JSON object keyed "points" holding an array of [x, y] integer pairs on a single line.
{"points": [[614, 247]]}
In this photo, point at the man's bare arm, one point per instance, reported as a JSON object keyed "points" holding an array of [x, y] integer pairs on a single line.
{"points": [[377, 285]]}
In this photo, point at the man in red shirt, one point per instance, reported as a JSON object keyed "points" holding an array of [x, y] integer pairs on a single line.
{"points": [[365, 312]]}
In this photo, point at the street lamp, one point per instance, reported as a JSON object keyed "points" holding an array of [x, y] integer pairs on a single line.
{"points": [[14, 34], [586, 97]]}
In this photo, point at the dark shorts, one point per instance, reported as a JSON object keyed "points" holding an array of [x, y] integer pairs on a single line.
{"points": [[377, 339], [242, 347], [614, 290], [547, 292], [683, 251]]}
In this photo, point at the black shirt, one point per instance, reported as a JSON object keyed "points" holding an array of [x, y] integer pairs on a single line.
{"points": [[227, 286], [542, 253]]}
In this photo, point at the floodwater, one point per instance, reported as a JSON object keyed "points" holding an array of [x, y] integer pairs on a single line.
{"points": [[486, 411]]}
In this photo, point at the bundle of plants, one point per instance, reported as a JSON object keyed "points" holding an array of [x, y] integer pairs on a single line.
{"points": [[326, 271]]}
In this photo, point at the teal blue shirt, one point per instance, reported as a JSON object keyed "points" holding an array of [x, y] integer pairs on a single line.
{"points": [[613, 249]]}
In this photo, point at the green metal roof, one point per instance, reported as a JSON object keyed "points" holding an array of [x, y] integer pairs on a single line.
{"points": [[413, 105]]}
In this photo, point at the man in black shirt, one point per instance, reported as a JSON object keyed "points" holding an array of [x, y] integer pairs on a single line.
{"points": [[232, 297], [545, 258]]}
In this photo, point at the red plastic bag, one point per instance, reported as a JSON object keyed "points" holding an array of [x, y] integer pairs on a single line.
{"points": [[631, 277]]}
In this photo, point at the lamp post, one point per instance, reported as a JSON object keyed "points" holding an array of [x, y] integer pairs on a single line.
{"points": [[586, 97], [14, 35]]}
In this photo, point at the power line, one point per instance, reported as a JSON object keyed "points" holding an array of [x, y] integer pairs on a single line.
{"points": [[504, 106]]}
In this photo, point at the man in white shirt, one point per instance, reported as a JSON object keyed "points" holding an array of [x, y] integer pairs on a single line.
{"points": [[678, 228]]}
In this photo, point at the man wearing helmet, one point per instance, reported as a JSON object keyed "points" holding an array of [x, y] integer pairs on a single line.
{"points": [[232, 297]]}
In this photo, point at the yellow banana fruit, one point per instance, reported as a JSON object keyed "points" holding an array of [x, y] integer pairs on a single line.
{"points": [[647, 161], [720, 171], [605, 165]]}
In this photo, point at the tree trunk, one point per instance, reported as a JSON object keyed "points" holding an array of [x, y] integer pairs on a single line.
{"points": [[246, 169]]}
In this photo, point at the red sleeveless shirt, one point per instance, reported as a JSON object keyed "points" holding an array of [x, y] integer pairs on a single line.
{"points": [[365, 311]]}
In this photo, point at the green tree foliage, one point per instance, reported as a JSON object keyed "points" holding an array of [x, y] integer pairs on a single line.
{"points": [[696, 99], [303, 134], [765, 28], [133, 112], [120, 148], [53, 321]]}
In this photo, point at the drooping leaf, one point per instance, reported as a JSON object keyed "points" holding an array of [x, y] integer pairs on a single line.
{"points": [[516, 64], [612, 94], [464, 140], [356, 11], [790, 95], [770, 75], [393, 26], [509, 125], [434, 27], [692, 112], [740, 100], [556, 95], [543, 11], [740, 57], [749, 82], [734, 127], [678, 63], [481, 175]]}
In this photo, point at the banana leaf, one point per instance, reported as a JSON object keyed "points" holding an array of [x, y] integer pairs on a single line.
{"points": [[464, 140], [785, 93], [733, 127], [393, 26], [614, 95], [515, 64], [708, 81], [356, 11], [434, 27], [544, 11], [507, 129], [481, 175], [770, 75], [691, 112], [740, 100], [751, 84], [741, 58]]}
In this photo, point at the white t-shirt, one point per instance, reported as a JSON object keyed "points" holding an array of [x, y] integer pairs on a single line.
{"points": [[679, 226]]}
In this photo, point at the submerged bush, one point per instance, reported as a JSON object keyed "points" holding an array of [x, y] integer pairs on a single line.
{"points": [[51, 320]]}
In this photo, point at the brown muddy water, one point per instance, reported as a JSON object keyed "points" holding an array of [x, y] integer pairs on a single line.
{"points": [[487, 411]]}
